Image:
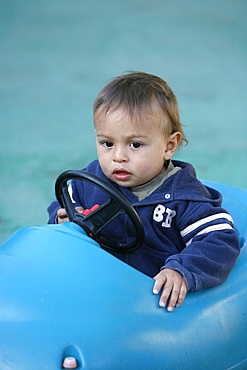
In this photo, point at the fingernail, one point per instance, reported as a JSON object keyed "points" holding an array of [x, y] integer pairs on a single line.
{"points": [[155, 291], [170, 309], [162, 304]]}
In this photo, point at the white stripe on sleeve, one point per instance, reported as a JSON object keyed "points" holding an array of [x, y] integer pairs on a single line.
{"points": [[210, 229], [205, 220]]}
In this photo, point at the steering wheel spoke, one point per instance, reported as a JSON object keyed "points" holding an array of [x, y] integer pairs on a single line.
{"points": [[99, 219]]}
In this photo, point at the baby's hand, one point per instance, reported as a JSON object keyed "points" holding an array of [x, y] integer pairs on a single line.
{"points": [[62, 215], [174, 288]]}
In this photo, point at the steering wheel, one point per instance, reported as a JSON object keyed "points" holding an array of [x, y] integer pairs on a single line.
{"points": [[99, 218]]}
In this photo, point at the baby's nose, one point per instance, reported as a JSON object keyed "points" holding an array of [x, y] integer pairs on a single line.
{"points": [[120, 155]]}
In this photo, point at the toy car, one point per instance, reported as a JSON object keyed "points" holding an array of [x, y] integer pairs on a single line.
{"points": [[67, 303]]}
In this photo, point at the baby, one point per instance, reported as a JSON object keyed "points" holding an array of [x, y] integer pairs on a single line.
{"points": [[190, 243]]}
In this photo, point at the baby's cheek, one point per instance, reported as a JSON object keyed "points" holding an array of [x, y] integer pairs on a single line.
{"points": [[145, 171], [103, 164]]}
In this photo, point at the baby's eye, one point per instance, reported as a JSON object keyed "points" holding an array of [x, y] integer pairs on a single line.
{"points": [[107, 144], [135, 145]]}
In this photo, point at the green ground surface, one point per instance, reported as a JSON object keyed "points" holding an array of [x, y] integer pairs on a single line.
{"points": [[56, 55]]}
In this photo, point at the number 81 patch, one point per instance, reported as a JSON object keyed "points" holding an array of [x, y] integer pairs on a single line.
{"points": [[164, 214]]}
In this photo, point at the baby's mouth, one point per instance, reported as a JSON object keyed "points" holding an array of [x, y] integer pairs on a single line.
{"points": [[121, 174]]}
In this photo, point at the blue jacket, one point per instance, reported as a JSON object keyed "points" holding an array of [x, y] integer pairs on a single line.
{"points": [[185, 227]]}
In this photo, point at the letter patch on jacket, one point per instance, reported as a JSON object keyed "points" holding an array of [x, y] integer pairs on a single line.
{"points": [[164, 214]]}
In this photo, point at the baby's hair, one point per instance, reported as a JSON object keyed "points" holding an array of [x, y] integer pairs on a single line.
{"points": [[139, 93]]}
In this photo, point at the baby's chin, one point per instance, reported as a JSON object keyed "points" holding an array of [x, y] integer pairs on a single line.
{"points": [[124, 183]]}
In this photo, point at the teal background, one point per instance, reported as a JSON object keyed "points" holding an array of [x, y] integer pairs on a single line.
{"points": [[55, 56]]}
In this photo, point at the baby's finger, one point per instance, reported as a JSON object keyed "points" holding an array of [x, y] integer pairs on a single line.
{"points": [[79, 209], [61, 213], [182, 294], [161, 279], [62, 216], [166, 292], [175, 294]]}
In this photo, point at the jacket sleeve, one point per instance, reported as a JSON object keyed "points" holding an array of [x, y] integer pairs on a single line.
{"points": [[54, 206], [211, 247], [52, 212]]}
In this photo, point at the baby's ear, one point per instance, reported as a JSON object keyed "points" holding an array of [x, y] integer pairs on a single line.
{"points": [[172, 144]]}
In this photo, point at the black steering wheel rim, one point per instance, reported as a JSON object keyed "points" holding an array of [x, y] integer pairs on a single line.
{"points": [[100, 218]]}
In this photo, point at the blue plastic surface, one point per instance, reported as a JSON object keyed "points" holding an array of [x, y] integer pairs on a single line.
{"points": [[61, 295]]}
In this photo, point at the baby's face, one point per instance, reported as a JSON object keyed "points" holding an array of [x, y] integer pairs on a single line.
{"points": [[131, 152]]}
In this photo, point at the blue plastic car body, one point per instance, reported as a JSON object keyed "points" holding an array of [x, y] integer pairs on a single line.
{"points": [[62, 296]]}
